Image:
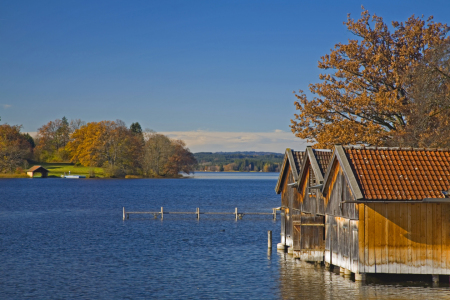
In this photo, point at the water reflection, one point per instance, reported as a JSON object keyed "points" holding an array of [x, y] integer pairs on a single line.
{"points": [[305, 280]]}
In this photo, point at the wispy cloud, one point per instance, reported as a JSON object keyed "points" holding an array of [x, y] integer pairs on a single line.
{"points": [[6, 106], [213, 141]]}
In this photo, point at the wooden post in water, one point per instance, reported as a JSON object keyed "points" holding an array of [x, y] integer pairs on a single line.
{"points": [[236, 213], [162, 213], [269, 239], [274, 213], [124, 213], [198, 213]]}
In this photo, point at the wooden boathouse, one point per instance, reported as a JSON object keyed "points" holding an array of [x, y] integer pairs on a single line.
{"points": [[37, 169], [387, 210], [287, 181], [369, 210], [308, 211]]}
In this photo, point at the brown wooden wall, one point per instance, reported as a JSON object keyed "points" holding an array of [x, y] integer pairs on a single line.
{"points": [[337, 192], [341, 242], [405, 238], [310, 201], [289, 199], [342, 223]]}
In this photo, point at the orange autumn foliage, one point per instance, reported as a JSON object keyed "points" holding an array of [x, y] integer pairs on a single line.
{"points": [[362, 97]]}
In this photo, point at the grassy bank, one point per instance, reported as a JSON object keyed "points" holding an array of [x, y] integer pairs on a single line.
{"points": [[58, 169], [22, 175]]}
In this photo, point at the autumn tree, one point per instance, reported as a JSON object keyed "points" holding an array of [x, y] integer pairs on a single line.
{"points": [[15, 148], [362, 96], [181, 160], [156, 153], [428, 87], [53, 137], [107, 144]]}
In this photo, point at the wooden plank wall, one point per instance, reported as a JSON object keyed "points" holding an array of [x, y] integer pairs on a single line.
{"points": [[339, 191], [341, 243], [406, 238]]}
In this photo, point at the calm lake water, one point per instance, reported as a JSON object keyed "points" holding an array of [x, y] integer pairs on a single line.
{"points": [[62, 238]]}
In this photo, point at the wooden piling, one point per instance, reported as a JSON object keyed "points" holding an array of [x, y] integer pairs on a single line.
{"points": [[162, 213], [236, 213], [269, 239], [124, 213], [274, 213], [198, 213]]}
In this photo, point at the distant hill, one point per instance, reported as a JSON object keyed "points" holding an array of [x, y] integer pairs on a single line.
{"points": [[244, 161]]}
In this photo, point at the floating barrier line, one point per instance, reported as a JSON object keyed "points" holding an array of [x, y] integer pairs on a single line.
{"points": [[238, 215]]}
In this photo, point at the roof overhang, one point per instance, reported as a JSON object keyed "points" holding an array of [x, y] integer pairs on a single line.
{"points": [[288, 159], [340, 157]]}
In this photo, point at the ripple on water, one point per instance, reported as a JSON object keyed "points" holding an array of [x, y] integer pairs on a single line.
{"points": [[66, 239]]}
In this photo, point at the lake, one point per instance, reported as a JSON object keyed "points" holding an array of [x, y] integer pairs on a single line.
{"points": [[62, 238]]}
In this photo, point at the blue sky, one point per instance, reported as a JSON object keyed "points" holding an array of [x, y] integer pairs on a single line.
{"points": [[198, 70]]}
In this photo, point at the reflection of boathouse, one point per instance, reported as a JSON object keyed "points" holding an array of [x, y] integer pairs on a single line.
{"points": [[387, 210]]}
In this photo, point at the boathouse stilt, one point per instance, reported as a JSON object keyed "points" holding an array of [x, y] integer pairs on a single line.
{"points": [[360, 277], [162, 213], [124, 213], [269, 239]]}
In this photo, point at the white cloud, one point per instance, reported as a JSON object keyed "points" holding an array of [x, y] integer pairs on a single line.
{"points": [[5, 106], [214, 141], [33, 134]]}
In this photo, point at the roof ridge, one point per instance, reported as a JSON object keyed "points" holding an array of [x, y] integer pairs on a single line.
{"points": [[363, 147]]}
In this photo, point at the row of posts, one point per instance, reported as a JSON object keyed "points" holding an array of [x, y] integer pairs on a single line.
{"points": [[236, 214]]}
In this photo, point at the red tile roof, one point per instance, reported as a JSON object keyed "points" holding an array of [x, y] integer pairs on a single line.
{"points": [[323, 159], [400, 174], [298, 159]]}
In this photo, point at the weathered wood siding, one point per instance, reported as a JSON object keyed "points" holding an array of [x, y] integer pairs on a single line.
{"points": [[311, 231], [339, 191], [341, 224], [341, 243], [405, 238], [289, 199]]}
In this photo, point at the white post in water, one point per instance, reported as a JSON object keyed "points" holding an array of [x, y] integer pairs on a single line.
{"points": [[269, 239], [124, 213], [198, 213], [162, 213], [236, 213]]}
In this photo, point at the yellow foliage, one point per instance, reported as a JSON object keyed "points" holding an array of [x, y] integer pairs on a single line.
{"points": [[364, 100]]}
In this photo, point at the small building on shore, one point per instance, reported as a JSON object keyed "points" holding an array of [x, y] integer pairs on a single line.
{"points": [[37, 169]]}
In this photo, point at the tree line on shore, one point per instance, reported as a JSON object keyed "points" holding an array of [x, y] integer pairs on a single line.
{"points": [[239, 161], [119, 150]]}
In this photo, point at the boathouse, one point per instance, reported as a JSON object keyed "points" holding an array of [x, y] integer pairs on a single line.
{"points": [[388, 211], [308, 211], [37, 169], [287, 181]]}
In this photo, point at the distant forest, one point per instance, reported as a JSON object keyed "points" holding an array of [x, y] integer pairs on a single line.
{"points": [[239, 161]]}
